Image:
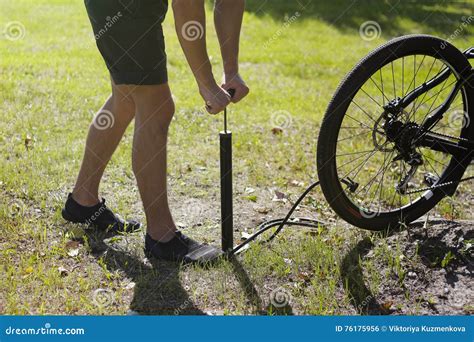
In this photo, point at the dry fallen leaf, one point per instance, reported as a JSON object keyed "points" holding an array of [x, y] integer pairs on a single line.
{"points": [[28, 141], [262, 210], [279, 196], [386, 306], [277, 130], [294, 182], [304, 276], [72, 244]]}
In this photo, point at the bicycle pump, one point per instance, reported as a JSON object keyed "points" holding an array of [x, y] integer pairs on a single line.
{"points": [[227, 223]]}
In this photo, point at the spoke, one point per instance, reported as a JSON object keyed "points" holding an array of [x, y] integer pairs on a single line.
{"points": [[378, 104], [349, 127], [368, 127], [432, 104], [415, 71], [381, 84], [381, 186], [393, 198], [435, 160], [393, 79], [415, 107], [443, 87], [363, 111], [432, 168], [353, 160], [381, 90], [381, 169], [352, 153], [405, 172], [361, 165], [403, 76], [353, 136]]}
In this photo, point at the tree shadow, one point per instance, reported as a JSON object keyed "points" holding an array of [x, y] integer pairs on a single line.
{"points": [[391, 15]]}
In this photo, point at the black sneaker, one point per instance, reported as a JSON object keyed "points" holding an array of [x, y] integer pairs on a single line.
{"points": [[183, 249], [97, 216]]}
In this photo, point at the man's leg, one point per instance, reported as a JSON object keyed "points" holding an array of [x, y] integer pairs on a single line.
{"points": [[155, 109], [104, 135]]}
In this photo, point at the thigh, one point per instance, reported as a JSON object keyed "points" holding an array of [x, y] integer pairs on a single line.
{"points": [[130, 38]]}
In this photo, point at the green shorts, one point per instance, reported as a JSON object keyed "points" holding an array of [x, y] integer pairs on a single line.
{"points": [[130, 38]]}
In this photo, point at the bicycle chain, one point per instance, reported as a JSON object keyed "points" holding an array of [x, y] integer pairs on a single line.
{"points": [[448, 136], [442, 185]]}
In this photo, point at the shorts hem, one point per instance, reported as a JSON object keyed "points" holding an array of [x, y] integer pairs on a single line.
{"points": [[140, 78]]}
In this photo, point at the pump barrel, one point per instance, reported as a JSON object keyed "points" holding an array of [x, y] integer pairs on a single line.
{"points": [[227, 224]]}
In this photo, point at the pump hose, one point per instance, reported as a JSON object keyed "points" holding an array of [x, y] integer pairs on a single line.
{"points": [[282, 222]]}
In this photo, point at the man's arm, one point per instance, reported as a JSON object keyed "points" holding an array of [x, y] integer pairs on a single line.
{"points": [[190, 21], [228, 15]]}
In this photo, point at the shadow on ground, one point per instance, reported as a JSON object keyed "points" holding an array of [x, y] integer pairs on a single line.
{"points": [[158, 289], [437, 16]]}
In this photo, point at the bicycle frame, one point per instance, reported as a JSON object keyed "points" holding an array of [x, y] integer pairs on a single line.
{"points": [[425, 138]]}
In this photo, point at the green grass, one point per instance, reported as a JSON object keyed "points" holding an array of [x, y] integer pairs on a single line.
{"points": [[53, 80]]}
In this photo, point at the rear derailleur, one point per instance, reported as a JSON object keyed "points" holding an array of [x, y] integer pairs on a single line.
{"points": [[404, 137]]}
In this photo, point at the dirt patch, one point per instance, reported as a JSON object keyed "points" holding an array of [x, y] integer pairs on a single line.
{"points": [[425, 270]]}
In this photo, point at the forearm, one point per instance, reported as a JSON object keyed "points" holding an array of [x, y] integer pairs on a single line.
{"points": [[228, 15], [190, 21]]}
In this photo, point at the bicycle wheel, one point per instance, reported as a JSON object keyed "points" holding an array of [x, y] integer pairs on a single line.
{"points": [[363, 164]]}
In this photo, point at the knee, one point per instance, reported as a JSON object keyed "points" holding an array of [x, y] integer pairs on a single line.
{"points": [[155, 109], [123, 103], [165, 113]]}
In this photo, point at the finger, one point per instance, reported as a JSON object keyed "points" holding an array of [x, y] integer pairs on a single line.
{"points": [[237, 96], [241, 92], [224, 101], [215, 109]]}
